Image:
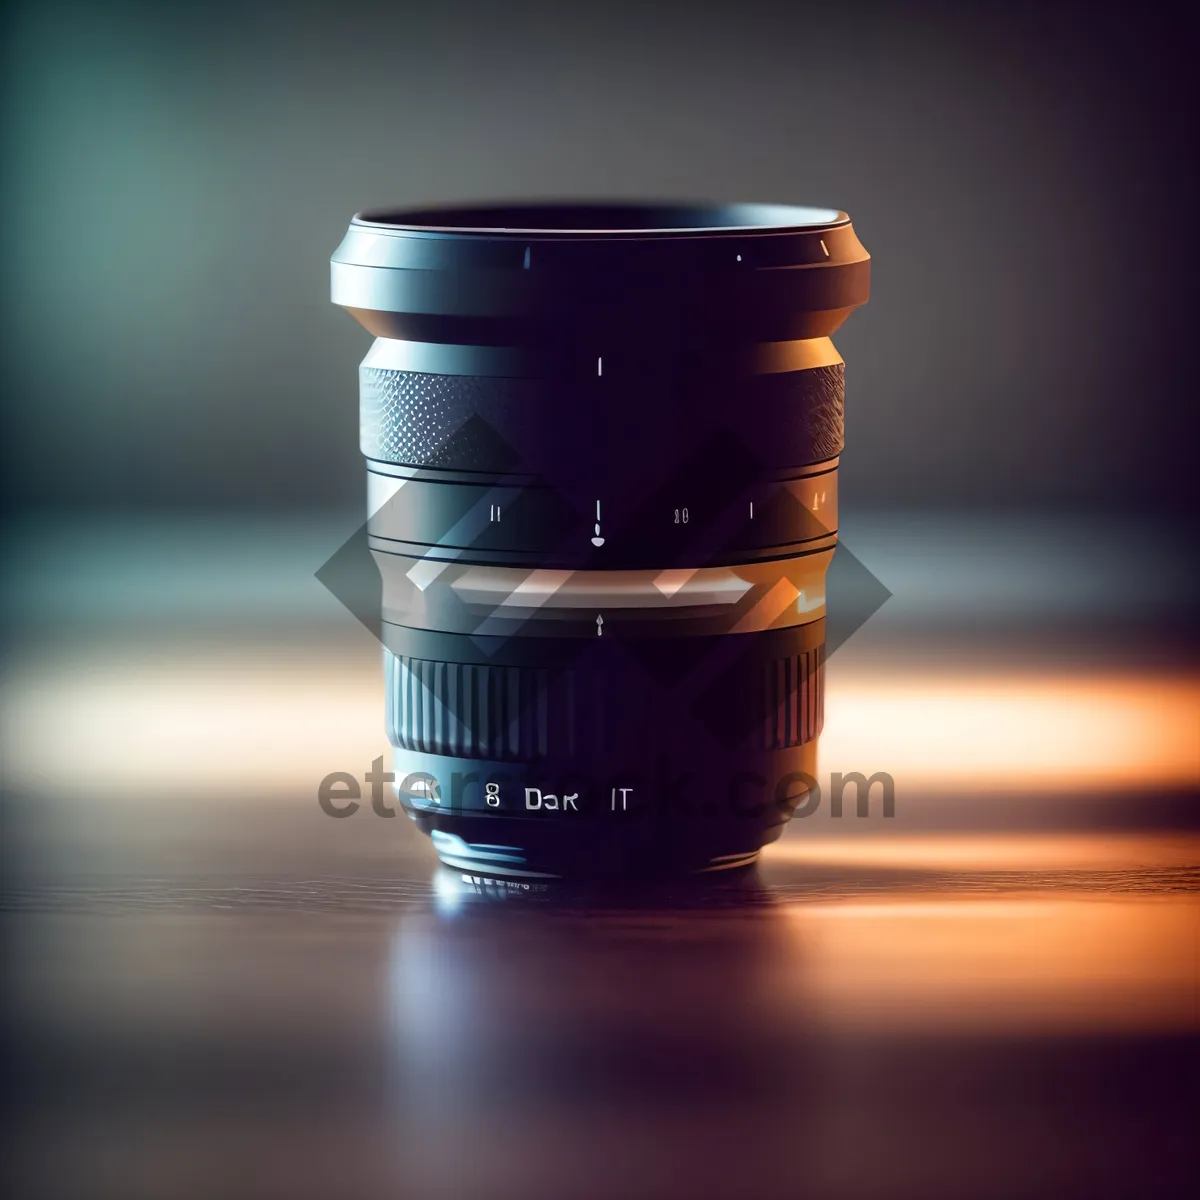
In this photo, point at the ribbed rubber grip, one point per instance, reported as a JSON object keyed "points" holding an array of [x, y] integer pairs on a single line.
{"points": [[513, 713], [471, 710], [794, 709]]}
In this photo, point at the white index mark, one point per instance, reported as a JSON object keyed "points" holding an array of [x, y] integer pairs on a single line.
{"points": [[824, 247], [600, 366], [739, 258], [752, 510], [597, 540], [526, 258], [599, 625]]}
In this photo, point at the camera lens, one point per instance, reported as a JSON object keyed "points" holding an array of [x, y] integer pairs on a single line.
{"points": [[602, 445]]}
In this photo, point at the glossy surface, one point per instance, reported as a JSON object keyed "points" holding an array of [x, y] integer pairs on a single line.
{"points": [[945, 1025], [213, 989]]}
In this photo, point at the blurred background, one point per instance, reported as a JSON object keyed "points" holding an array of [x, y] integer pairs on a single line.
{"points": [[178, 175], [212, 988]]}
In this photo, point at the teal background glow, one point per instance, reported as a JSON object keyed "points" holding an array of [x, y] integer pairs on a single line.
{"points": [[177, 176]]}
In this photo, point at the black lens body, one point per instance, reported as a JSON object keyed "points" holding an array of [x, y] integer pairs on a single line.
{"points": [[602, 446]]}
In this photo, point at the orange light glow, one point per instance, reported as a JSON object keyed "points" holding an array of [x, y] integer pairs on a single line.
{"points": [[991, 851], [1000, 965], [259, 718], [1016, 732]]}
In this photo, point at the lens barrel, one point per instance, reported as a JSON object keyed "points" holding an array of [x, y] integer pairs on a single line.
{"points": [[602, 445]]}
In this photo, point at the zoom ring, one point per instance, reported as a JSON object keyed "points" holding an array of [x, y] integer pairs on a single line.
{"points": [[513, 713]]}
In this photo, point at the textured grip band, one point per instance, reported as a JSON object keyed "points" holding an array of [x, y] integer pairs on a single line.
{"points": [[493, 424], [422, 419], [512, 713], [505, 713], [794, 699]]}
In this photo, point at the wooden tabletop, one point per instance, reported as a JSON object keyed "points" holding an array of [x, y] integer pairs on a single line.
{"points": [[214, 990]]}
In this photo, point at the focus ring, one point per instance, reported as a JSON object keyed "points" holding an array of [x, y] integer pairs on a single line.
{"points": [[511, 713], [469, 710], [495, 424], [447, 421]]}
